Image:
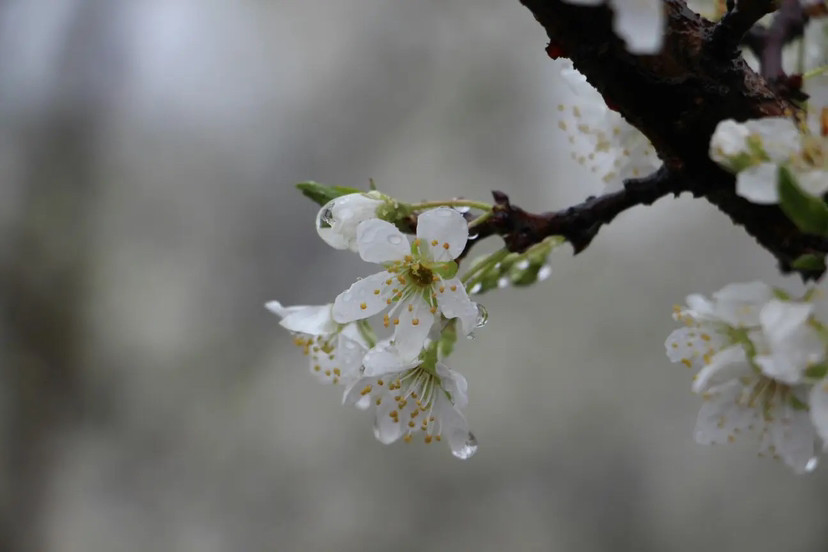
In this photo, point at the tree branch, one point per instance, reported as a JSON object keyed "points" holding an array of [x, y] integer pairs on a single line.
{"points": [[676, 98]]}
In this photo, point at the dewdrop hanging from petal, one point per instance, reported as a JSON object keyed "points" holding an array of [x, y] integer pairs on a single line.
{"points": [[418, 280], [337, 221]]}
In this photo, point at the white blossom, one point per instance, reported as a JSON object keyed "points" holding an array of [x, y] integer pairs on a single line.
{"points": [[600, 138], [337, 221], [418, 280], [335, 350], [755, 149], [410, 397], [752, 350]]}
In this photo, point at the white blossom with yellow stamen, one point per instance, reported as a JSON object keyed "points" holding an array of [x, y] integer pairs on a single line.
{"points": [[413, 397], [753, 350], [600, 138], [418, 280], [335, 350]]}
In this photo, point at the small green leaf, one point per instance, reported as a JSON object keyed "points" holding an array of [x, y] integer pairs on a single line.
{"points": [[810, 262], [809, 213], [817, 371], [322, 194]]}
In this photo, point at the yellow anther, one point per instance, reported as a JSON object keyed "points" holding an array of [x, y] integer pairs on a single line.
{"points": [[446, 245], [388, 281], [407, 438], [409, 258], [379, 401], [335, 381], [317, 368], [674, 345], [401, 279], [337, 372], [562, 125], [435, 278], [442, 289], [433, 310], [376, 292], [380, 382], [415, 322], [396, 321], [453, 288], [434, 242], [417, 242], [414, 394], [366, 390], [431, 419], [687, 362], [402, 403], [438, 437], [410, 307], [414, 414], [731, 438], [388, 301], [412, 424], [427, 439], [363, 306], [705, 337], [327, 372]]}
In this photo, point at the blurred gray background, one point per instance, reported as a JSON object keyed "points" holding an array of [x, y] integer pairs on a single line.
{"points": [[148, 151]]}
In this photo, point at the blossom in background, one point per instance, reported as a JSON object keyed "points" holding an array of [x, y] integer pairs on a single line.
{"points": [[418, 280], [639, 22], [600, 138], [335, 350], [337, 221], [410, 397], [753, 350], [755, 149]]}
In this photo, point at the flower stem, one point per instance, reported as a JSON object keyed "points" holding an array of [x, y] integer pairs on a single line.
{"points": [[482, 266], [452, 203], [481, 219]]}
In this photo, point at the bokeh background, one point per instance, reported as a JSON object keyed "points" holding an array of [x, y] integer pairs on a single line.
{"points": [[148, 401]]}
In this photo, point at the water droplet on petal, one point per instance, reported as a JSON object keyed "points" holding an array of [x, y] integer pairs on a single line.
{"points": [[325, 218], [475, 288], [482, 316], [812, 464], [544, 273], [394, 239], [523, 265], [502, 282], [468, 449]]}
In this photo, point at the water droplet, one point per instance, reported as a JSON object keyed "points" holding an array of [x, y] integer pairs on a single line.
{"points": [[476, 288], [812, 464], [472, 237], [347, 297], [462, 209], [325, 218], [471, 336], [502, 282], [482, 316], [468, 449], [395, 239], [544, 273], [523, 265]]}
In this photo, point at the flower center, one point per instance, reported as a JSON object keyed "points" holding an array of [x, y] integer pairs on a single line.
{"points": [[421, 274]]}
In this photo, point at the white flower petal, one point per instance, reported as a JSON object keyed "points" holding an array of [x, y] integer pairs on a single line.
{"points": [[793, 437], [454, 302], [337, 221], [385, 358], [721, 417], [691, 345], [444, 232], [641, 24], [779, 136], [726, 365], [455, 384], [819, 410], [415, 323], [379, 241], [814, 182], [728, 140], [311, 320], [364, 298], [386, 429], [758, 184]]}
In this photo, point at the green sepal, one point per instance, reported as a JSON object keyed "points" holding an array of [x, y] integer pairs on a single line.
{"points": [[321, 194], [817, 371], [796, 404], [809, 213], [445, 270], [781, 294], [810, 262]]}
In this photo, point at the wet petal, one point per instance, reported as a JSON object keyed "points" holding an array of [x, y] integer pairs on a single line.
{"points": [[721, 417], [311, 320], [454, 302], [758, 184], [415, 323], [363, 299], [444, 231], [726, 365], [379, 241]]}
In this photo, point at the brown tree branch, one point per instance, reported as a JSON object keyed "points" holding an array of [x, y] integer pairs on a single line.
{"points": [[676, 98]]}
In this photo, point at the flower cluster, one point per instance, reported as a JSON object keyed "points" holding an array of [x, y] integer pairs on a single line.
{"points": [[761, 361], [422, 304]]}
